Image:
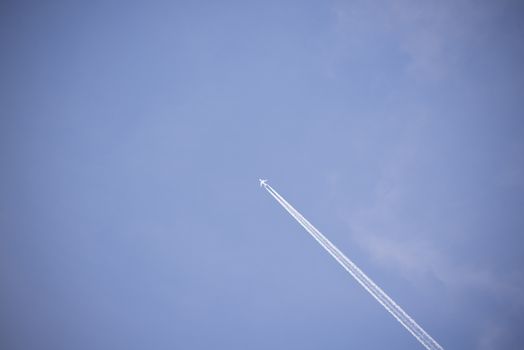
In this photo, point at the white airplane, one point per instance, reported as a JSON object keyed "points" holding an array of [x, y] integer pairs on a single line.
{"points": [[262, 182]]}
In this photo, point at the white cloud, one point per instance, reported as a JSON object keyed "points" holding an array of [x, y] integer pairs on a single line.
{"points": [[415, 249], [396, 238], [431, 34]]}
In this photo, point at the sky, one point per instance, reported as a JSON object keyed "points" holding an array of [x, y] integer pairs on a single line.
{"points": [[133, 134]]}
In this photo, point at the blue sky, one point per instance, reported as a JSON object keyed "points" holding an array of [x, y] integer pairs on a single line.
{"points": [[132, 135]]}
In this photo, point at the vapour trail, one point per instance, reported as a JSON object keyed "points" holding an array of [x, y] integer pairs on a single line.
{"points": [[424, 338]]}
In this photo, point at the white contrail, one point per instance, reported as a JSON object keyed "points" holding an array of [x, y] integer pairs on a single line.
{"points": [[424, 338]]}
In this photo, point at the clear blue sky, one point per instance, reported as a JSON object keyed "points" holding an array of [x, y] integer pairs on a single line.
{"points": [[132, 135]]}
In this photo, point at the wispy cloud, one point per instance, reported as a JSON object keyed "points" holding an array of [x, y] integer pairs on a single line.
{"points": [[414, 248], [429, 34], [445, 207]]}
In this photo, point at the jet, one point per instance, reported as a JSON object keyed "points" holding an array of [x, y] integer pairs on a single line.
{"points": [[262, 182]]}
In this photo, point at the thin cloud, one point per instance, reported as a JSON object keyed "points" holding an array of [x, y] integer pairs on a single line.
{"points": [[430, 35], [413, 248]]}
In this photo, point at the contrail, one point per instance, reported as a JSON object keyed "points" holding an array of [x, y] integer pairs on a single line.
{"points": [[424, 338]]}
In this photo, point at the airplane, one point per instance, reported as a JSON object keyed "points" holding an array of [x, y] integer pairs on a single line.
{"points": [[262, 182]]}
